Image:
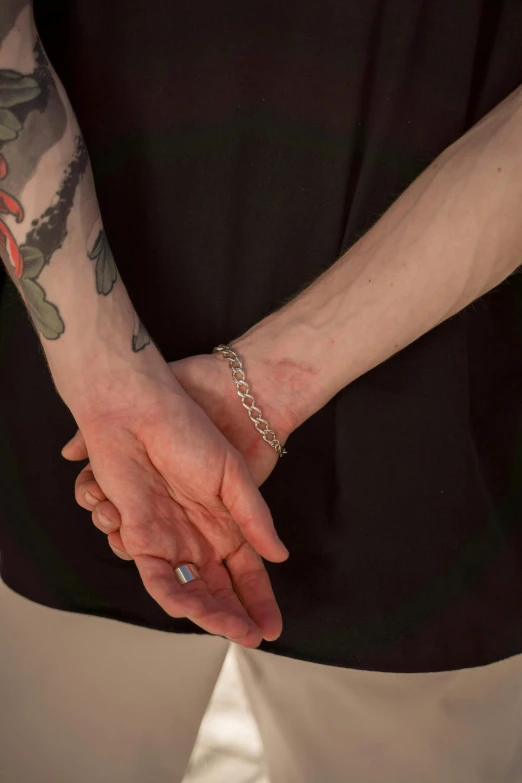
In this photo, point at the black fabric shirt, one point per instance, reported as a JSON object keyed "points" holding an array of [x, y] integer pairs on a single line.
{"points": [[238, 150]]}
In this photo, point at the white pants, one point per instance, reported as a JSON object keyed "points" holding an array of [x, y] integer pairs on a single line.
{"points": [[89, 700]]}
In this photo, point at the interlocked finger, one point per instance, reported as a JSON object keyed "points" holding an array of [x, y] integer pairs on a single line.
{"points": [[106, 517], [87, 491]]}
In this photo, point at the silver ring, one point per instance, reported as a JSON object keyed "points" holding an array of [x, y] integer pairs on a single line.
{"points": [[186, 573]]}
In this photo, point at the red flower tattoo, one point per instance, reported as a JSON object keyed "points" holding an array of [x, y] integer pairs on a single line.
{"points": [[10, 206]]}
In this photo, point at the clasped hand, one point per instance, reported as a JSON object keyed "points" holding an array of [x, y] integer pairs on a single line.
{"points": [[173, 478]]}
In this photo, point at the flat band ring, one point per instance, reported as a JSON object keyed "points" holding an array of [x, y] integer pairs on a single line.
{"points": [[186, 573]]}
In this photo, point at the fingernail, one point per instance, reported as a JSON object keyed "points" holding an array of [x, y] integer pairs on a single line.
{"points": [[120, 552], [104, 521], [91, 499]]}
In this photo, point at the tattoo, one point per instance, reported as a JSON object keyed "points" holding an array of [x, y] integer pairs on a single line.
{"points": [[50, 229], [47, 236], [140, 339], [15, 90], [23, 98], [33, 115], [106, 272], [44, 122]]}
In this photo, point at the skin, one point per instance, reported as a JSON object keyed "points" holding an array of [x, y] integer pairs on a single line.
{"points": [[452, 236], [207, 379], [183, 492]]}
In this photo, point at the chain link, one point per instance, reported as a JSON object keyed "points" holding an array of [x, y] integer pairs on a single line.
{"points": [[243, 391]]}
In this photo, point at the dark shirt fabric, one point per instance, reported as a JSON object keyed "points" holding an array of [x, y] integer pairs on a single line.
{"points": [[238, 150]]}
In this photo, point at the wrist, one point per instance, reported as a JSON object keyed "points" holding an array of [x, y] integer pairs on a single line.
{"points": [[282, 379], [262, 386], [106, 379]]}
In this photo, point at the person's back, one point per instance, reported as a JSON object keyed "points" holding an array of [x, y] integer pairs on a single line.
{"points": [[238, 152]]}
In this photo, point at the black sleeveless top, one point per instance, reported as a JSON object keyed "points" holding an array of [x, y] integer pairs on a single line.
{"points": [[239, 149]]}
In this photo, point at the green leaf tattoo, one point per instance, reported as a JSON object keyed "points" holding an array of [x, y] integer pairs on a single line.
{"points": [[106, 272], [140, 339], [16, 88], [34, 261], [10, 125], [45, 315]]}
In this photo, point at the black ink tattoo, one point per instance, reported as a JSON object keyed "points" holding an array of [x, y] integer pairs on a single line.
{"points": [[50, 229]]}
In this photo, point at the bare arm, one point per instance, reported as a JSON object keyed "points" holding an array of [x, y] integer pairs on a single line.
{"points": [[183, 492], [452, 236]]}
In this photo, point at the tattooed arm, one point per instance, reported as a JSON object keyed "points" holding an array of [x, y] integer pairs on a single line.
{"points": [[51, 236], [183, 492]]}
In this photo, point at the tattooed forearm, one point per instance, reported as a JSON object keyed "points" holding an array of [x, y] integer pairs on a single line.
{"points": [[43, 240], [25, 100], [50, 229], [50, 226], [32, 115], [17, 92]]}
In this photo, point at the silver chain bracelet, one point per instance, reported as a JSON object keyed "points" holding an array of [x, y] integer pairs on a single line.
{"points": [[247, 400]]}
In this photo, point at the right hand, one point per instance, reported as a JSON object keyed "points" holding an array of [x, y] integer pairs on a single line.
{"points": [[183, 494]]}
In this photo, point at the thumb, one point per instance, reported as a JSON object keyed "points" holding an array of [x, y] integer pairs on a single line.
{"points": [[76, 448], [251, 513]]}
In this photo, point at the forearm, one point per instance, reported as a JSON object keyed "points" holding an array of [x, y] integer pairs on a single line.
{"points": [[453, 235], [51, 235]]}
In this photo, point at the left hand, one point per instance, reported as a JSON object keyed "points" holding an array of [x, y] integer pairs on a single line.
{"points": [[208, 380]]}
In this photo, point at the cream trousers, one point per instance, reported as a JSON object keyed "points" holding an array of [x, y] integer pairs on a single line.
{"points": [[89, 700]]}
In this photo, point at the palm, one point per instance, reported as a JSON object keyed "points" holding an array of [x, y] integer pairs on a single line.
{"points": [[181, 515], [183, 494]]}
